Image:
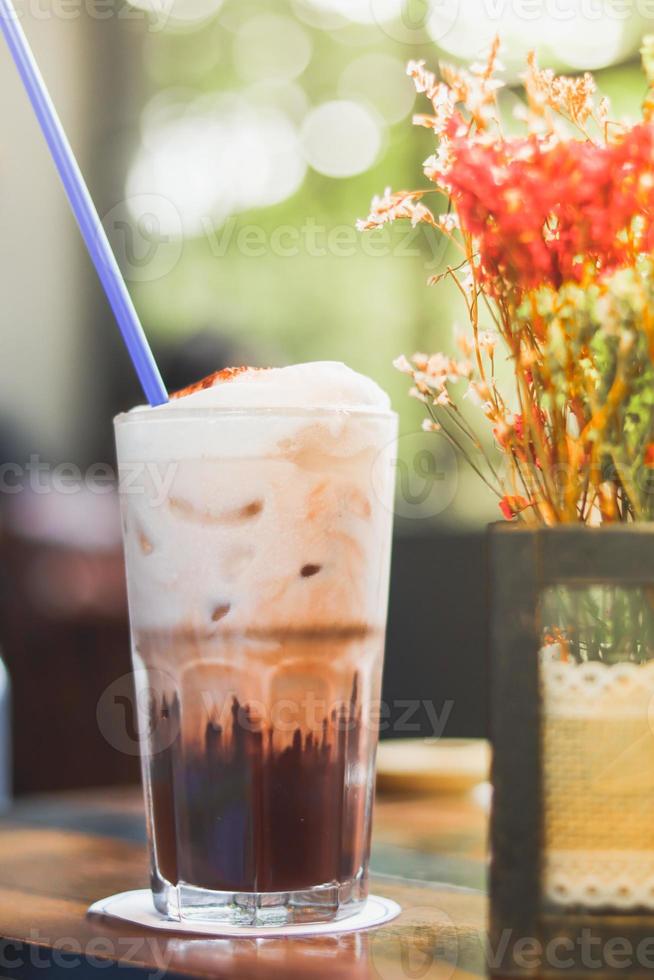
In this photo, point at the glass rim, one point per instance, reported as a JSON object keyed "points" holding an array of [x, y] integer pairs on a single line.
{"points": [[213, 412]]}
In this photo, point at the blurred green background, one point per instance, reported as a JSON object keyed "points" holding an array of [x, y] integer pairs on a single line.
{"points": [[270, 127], [231, 145]]}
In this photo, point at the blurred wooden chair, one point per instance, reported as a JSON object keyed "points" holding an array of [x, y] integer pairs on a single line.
{"points": [[64, 636]]}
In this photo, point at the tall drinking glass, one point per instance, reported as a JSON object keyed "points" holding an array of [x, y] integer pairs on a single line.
{"points": [[257, 546]]}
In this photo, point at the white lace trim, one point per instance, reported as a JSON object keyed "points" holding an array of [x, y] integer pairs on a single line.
{"points": [[598, 770], [596, 689], [594, 879]]}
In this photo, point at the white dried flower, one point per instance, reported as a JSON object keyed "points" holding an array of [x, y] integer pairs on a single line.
{"points": [[402, 364]]}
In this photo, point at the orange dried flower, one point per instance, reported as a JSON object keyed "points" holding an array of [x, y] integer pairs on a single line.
{"points": [[556, 240], [511, 506]]}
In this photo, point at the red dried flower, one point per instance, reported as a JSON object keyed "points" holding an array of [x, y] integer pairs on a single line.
{"points": [[556, 241], [511, 506], [541, 212]]}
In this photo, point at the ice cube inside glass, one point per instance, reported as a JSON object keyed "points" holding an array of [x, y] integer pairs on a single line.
{"points": [[257, 546]]}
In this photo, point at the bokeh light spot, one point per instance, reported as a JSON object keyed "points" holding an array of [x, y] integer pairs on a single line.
{"points": [[341, 138], [271, 46], [565, 35], [220, 157], [381, 80], [358, 11], [290, 97], [179, 14]]}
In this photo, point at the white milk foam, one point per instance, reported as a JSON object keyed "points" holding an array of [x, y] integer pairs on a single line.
{"points": [[324, 384], [235, 494]]}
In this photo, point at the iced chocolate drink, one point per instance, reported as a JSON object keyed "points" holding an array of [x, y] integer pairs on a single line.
{"points": [[257, 521]]}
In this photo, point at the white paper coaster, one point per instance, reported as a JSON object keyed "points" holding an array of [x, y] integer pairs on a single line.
{"points": [[137, 906]]}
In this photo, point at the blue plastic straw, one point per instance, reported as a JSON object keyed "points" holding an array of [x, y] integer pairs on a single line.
{"points": [[90, 225]]}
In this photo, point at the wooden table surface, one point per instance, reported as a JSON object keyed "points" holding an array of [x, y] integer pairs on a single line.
{"points": [[59, 854]]}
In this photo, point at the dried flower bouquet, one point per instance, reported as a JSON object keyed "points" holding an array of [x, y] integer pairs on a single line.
{"points": [[555, 230]]}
